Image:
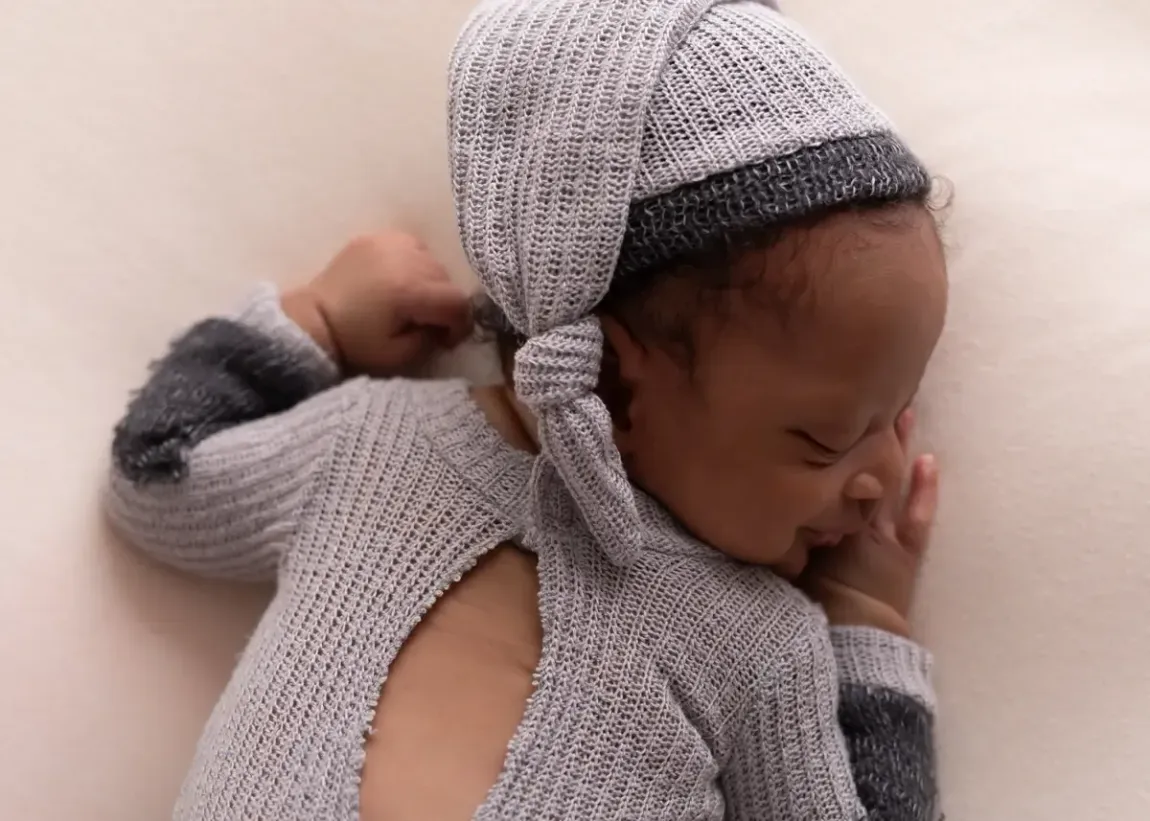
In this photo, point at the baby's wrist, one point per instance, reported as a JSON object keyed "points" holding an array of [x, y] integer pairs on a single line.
{"points": [[868, 613], [302, 307]]}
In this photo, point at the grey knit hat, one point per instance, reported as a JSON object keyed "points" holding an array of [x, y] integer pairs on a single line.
{"points": [[596, 138]]}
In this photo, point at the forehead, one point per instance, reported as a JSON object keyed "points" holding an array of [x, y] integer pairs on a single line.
{"points": [[868, 302], [878, 290]]}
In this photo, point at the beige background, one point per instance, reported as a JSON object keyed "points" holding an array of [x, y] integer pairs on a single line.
{"points": [[158, 156]]}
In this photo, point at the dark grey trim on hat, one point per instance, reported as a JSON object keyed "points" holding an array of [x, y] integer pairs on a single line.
{"points": [[219, 374], [731, 205]]}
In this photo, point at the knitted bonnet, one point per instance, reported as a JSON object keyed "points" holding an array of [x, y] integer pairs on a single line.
{"points": [[591, 139]]}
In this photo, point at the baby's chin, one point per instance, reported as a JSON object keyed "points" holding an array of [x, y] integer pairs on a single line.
{"points": [[793, 562]]}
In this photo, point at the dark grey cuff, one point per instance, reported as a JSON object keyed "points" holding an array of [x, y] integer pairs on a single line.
{"points": [[220, 374], [886, 710], [890, 737]]}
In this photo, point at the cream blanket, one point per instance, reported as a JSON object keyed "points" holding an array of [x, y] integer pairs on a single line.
{"points": [[156, 158]]}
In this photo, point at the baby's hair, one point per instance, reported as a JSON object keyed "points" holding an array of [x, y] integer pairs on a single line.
{"points": [[659, 305]]}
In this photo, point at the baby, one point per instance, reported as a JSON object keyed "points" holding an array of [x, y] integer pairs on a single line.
{"points": [[716, 286]]}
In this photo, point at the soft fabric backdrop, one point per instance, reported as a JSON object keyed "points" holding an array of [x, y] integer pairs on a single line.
{"points": [[158, 157]]}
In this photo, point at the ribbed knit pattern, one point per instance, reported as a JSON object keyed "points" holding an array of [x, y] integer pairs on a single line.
{"points": [[875, 658], [684, 686], [744, 85], [564, 113]]}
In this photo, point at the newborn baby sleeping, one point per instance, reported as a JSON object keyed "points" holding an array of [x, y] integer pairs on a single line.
{"points": [[663, 572]]}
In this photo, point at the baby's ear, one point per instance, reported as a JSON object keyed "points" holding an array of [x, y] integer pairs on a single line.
{"points": [[628, 353], [620, 372]]}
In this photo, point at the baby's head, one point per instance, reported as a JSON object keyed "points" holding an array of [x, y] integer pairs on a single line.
{"points": [[760, 256], [754, 389]]}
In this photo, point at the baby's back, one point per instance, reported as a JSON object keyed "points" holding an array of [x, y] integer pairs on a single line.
{"points": [[510, 670]]}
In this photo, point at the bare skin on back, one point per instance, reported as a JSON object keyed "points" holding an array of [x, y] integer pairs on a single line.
{"points": [[458, 688]]}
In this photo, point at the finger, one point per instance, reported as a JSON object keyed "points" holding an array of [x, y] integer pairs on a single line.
{"points": [[442, 306], [887, 514], [921, 505], [414, 348], [889, 507], [904, 427]]}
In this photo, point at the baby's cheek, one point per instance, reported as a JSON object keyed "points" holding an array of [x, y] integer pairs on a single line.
{"points": [[788, 501], [739, 524], [760, 526], [772, 543]]}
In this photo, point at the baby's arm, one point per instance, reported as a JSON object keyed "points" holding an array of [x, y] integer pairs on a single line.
{"points": [[217, 455], [886, 711], [842, 728]]}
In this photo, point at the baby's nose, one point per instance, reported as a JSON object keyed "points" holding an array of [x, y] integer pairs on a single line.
{"points": [[865, 487], [864, 493], [881, 473]]}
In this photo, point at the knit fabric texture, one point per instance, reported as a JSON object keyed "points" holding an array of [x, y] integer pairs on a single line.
{"points": [[683, 686], [591, 138]]}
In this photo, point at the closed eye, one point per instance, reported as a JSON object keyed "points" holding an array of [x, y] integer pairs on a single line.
{"points": [[824, 450]]}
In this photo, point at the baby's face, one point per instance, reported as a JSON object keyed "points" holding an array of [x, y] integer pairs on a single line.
{"points": [[782, 437]]}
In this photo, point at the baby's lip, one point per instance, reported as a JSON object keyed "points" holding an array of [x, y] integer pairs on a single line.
{"points": [[824, 538], [831, 537]]}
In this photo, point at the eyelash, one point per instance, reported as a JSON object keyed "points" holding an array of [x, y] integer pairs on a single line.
{"points": [[830, 455]]}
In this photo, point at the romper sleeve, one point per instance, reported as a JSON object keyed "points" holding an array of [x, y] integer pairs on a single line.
{"points": [[841, 729], [219, 451]]}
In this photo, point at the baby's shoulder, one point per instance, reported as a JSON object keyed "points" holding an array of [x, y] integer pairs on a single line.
{"points": [[727, 588], [714, 630], [734, 614], [405, 408], [406, 432], [761, 589]]}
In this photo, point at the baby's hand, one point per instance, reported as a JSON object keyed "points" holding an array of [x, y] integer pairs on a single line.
{"points": [[869, 580], [381, 306]]}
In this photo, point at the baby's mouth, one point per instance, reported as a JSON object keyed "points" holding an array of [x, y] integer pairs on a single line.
{"points": [[822, 538]]}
